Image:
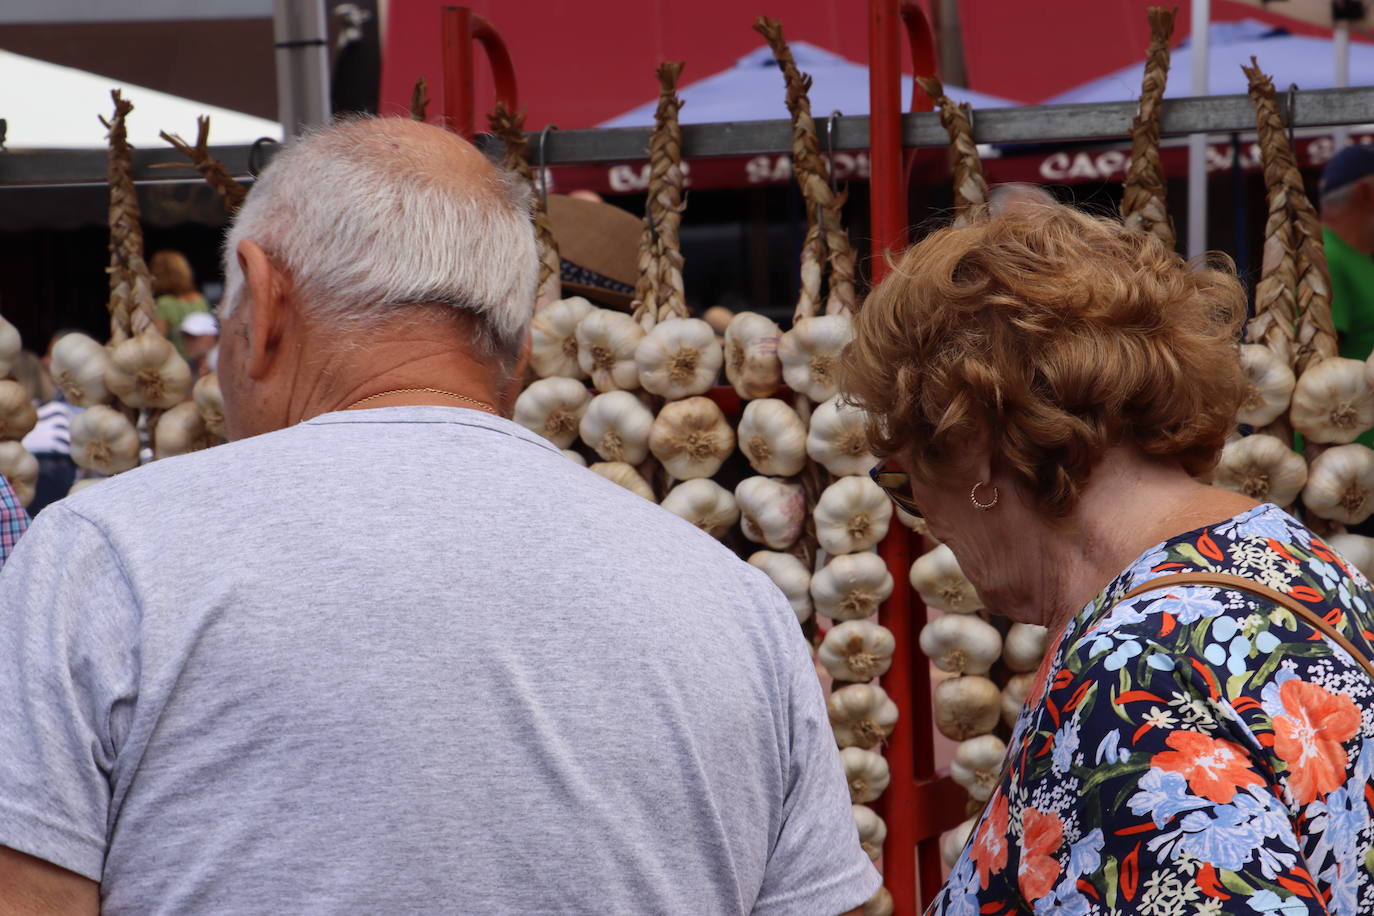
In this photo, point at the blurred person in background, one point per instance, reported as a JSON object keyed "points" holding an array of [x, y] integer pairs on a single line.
{"points": [[199, 337], [13, 520], [174, 285], [1347, 213], [50, 440]]}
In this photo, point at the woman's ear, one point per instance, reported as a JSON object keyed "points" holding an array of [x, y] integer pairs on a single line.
{"points": [[265, 290]]}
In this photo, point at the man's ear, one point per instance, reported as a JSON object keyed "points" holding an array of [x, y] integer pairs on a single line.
{"points": [[266, 291]]}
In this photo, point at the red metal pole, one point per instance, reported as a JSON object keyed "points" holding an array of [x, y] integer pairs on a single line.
{"points": [[456, 31]]}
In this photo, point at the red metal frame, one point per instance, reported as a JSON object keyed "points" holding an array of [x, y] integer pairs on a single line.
{"points": [[459, 28]]}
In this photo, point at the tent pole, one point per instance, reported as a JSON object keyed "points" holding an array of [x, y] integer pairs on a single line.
{"points": [[1341, 135], [300, 30], [1197, 143]]}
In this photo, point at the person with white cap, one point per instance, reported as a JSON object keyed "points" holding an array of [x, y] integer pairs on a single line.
{"points": [[199, 337]]}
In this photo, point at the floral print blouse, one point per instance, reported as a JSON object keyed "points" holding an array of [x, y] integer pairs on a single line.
{"points": [[1193, 750]]}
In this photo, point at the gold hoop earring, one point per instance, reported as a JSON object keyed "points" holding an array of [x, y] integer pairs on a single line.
{"points": [[973, 497]]}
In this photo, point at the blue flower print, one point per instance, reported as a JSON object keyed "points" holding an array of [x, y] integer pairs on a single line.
{"points": [[1109, 749], [1190, 604], [1163, 794], [1144, 567], [1223, 629], [1344, 882], [961, 890], [1269, 695], [1268, 902], [1266, 522], [1066, 745]]}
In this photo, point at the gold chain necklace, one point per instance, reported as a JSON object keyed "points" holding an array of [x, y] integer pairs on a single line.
{"points": [[480, 405]]}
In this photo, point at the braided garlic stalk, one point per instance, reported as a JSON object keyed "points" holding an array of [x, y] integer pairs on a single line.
{"points": [[210, 168], [665, 204], [419, 100], [970, 187], [510, 127], [1142, 201], [132, 309]]}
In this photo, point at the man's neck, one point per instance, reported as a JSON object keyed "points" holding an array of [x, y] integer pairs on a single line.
{"points": [[1355, 231]]}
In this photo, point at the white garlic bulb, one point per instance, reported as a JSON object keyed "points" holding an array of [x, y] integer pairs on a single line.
{"points": [[20, 469], [705, 504], [553, 338], [1263, 468], [1333, 402], [915, 523], [17, 413], [625, 475], [791, 577], [880, 904], [751, 355], [1024, 646], [606, 343], [952, 842], [1356, 549], [1014, 696], [977, 765], [78, 369], [553, 408], [966, 707], [862, 715], [616, 426], [772, 437], [942, 584], [210, 402], [837, 439], [104, 441], [810, 354], [872, 830], [1340, 484], [147, 371], [857, 650], [866, 772], [1271, 386], [574, 457], [181, 430], [691, 438], [851, 586], [10, 345], [852, 514], [961, 643], [772, 511], [680, 357]]}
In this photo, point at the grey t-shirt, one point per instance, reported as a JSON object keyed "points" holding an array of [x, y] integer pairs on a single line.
{"points": [[410, 660]]}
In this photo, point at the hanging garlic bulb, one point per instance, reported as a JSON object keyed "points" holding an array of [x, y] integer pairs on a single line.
{"points": [[772, 511], [1356, 549], [1263, 468], [616, 425], [1333, 402], [625, 475], [857, 650], [147, 371], [872, 830], [553, 408], [880, 904], [680, 357], [181, 430], [961, 643], [10, 345], [977, 765], [1271, 386], [772, 437], [574, 457], [810, 354], [1340, 484], [837, 439], [851, 586], [867, 773], [210, 402], [705, 504], [691, 438], [104, 441], [606, 343], [852, 514], [553, 338], [861, 715], [942, 584], [17, 413], [751, 355], [966, 707], [952, 842], [78, 369], [791, 577], [20, 469], [915, 523], [1014, 696], [1024, 646]]}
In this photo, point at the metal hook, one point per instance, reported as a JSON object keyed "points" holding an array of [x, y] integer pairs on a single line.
{"points": [[543, 167], [830, 143], [1291, 114]]}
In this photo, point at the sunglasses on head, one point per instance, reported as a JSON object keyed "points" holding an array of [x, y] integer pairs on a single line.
{"points": [[897, 486]]}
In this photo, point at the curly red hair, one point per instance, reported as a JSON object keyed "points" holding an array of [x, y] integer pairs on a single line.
{"points": [[1053, 336]]}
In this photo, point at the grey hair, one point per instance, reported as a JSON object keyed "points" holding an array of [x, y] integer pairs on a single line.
{"points": [[365, 226]]}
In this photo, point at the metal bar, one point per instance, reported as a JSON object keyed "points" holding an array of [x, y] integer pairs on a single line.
{"points": [[1197, 143], [456, 28], [301, 30]]}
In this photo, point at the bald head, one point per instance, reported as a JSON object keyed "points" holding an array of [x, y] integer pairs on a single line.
{"points": [[368, 217]]}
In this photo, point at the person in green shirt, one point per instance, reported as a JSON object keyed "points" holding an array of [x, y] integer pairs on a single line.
{"points": [[174, 285], [1347, 208]]}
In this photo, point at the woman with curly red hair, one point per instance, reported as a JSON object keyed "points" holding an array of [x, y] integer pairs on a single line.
{"points": [[1048, 388]]}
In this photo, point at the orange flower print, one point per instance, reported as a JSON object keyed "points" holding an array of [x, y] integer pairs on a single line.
{"points": [[1214, 767], [989, 851], [1310, 736], [1042, 834]]}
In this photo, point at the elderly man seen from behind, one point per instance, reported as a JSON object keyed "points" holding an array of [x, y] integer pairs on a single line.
{"points": [[388, 652]]}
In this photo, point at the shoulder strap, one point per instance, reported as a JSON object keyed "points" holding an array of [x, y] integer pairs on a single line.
{"points": [[1242, 584]]}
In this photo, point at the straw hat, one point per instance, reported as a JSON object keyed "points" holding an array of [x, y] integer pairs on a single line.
{"points": [[599, 247]]}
